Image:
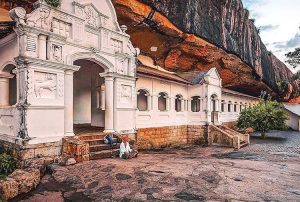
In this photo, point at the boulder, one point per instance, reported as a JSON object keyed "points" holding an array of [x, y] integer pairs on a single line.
{"points": [[8, 189], [70, 161], [27, 179]]}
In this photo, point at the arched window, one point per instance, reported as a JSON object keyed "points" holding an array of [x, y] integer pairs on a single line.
{"points": [[235, 107], [223, 106], [195, 104], [214, 99], [229, 106], [162, 101], [142, 100], [178, 101]]}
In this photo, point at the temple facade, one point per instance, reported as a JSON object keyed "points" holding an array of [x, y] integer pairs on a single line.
{"points": [[73, 68]]}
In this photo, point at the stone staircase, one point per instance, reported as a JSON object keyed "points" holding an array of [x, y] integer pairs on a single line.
{"points": [[97, 148], [225, 136]]}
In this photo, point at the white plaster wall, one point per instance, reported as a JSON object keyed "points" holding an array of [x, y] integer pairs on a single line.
{"points": [[293, 121], [155, 118], [45, 124], [197, 118], [233, 116]]}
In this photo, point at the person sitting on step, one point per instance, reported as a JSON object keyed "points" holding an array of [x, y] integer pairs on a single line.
{"points": [[109, 140], [125, 151]]}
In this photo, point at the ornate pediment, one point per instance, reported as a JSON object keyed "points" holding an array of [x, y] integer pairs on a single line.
{"points": [[92, 16]]}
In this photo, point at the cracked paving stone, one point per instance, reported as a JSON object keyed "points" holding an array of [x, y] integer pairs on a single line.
{"points": [[189, 197], [296, 192], [238, 178], [105, 190], [93, 184], [151, 190], [122, 176]]}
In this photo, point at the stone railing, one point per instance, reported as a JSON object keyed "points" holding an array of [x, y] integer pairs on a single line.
{"points": [[226, 136], [221, 137], [9, 121], [243, 137]]}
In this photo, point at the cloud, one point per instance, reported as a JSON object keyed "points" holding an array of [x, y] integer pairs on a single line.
{"points": [[269, 27], [249, 3], [294, 42]]}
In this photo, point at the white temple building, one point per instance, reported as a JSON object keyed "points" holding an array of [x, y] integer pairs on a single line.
{"points": [[74, 66]]}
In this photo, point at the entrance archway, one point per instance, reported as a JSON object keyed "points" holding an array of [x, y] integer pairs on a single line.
{"points": [[8, 86], [89, 113]]}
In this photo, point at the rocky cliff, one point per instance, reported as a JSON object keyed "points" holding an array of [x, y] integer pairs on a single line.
{"points": [[183, 35], [200, 34]]}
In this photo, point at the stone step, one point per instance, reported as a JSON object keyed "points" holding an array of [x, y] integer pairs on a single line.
{"points": [[104, 154], [91, 136], [101, 147], [97, 141]]}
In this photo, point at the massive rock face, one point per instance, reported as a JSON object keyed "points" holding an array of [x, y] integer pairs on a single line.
{"points": [[183, 35], [200, 34], [226, 24]]}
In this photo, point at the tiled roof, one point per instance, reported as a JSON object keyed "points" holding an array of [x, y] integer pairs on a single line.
{"points": [[294, 108], [6, 28], [152, 72], [227, 91], [195, 77]]}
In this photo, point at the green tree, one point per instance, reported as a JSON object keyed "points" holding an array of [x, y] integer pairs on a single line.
{"points": [[263, 117], [293, 58], [54, 3]]}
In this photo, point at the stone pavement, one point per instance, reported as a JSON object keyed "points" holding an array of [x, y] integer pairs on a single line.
{"points": [[187, 174], [276, 142]]}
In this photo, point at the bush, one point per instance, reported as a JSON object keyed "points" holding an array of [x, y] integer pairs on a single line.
{"points": [[7, 164], [265, 116], [54, 3]]}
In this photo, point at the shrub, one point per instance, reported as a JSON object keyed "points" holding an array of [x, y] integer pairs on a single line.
{"points": [[265, 116], [54, 3], [7, 164]]}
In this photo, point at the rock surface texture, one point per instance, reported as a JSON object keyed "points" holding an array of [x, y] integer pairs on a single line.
{"points": [[267, 170], [200, 34]]}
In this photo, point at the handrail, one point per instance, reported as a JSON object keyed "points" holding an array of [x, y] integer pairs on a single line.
{"points": [[220, 130], [232, 130]]}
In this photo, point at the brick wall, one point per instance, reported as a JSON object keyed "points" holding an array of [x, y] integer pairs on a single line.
{"points": [[171, 136], [197, 135]]}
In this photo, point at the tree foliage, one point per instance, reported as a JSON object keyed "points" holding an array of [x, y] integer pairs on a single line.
{"points": [[7, 164], [54, 3], [293, 58], [265, 116]]}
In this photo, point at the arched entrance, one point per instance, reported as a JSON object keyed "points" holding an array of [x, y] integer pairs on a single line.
{"points": [[88, 108], [8, 86]]}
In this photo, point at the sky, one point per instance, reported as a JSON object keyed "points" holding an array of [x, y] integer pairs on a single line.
{"points": [[279, 22]]}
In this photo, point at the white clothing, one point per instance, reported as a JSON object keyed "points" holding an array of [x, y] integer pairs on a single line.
{"points": [[124, 148]]}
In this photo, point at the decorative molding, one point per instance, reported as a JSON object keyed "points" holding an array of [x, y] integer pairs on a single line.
{"points": [[45, 85]]}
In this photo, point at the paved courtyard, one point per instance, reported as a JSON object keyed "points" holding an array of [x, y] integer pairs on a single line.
{"points": [[267, 170]]}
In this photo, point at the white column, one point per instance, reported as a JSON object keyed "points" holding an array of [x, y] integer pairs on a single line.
{"points": [[69, 116], [42, 47], [149, 103], [4, 89], [182, 105], [109, 105]]}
